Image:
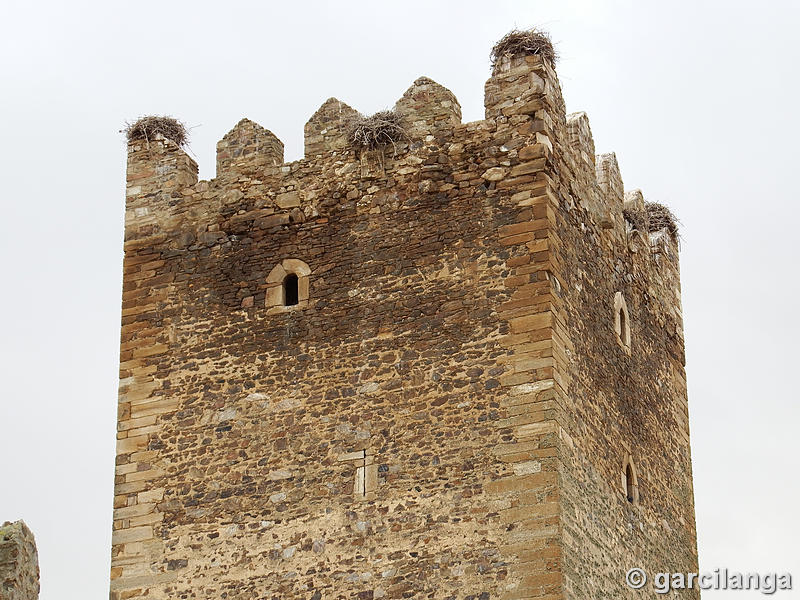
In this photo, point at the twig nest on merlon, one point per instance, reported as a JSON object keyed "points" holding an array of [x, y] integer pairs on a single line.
{"points": [[379, 130], [660, 217], [654, 217], [148, 128], [524, 43]]}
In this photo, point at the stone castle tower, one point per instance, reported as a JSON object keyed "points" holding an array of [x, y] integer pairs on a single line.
{"points": [[446, 367], [19, 562]]}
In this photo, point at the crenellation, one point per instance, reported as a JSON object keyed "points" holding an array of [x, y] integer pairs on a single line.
{"points": [[398, 371], [610, 181], [579, 156], [428, 107], [326, 130], [634, 200], [518, 86], [247, 148], [580, 139], [159, 175]]}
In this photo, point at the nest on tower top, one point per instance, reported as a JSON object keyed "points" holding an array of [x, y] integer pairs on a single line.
{"points": [[637, 218], [654, 217], [660, 217], [148, 128], [376, 131], [525, 43]]}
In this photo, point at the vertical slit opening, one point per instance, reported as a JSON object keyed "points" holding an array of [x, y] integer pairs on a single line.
{"points": [[290, 290], [364, 481], [629, 483], [623, 327]]}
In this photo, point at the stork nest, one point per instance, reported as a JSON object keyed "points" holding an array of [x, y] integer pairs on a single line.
{"points": [[526, 43], [660, 217], [654, 217], [637, 219], [381, 129], [148, 128]]}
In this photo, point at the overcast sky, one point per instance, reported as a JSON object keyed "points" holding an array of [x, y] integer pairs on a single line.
{"points": [[698, 100]]}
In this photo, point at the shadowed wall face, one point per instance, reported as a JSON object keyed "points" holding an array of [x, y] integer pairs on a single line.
{"points": [[19, 563]]}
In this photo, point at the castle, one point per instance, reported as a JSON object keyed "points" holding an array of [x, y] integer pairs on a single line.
{"points": [[450, 365]]}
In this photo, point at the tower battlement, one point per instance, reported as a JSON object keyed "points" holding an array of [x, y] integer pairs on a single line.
{"points": [[524, 114], [449, 366]]}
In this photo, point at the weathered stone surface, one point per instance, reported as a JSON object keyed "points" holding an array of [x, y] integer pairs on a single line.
{"points": [[427, 107], [288, 200], [248, 147], [494, 174], [414, 390], [19, 563], [326, 130]]}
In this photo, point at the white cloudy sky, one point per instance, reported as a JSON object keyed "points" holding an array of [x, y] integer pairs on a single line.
{"points": [[698, 100]]}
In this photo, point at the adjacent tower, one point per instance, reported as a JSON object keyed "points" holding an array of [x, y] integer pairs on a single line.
{"points": [[19, 562], [442, 363]]}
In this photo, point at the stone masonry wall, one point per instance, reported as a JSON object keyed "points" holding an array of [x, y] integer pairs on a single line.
{"points": [[418, 424], [620, 404], [19, 563]]}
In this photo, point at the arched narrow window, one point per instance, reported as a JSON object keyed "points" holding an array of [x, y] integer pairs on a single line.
{"points": [[287, 285], [630, 481], [290, 292], [622, 322]]}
